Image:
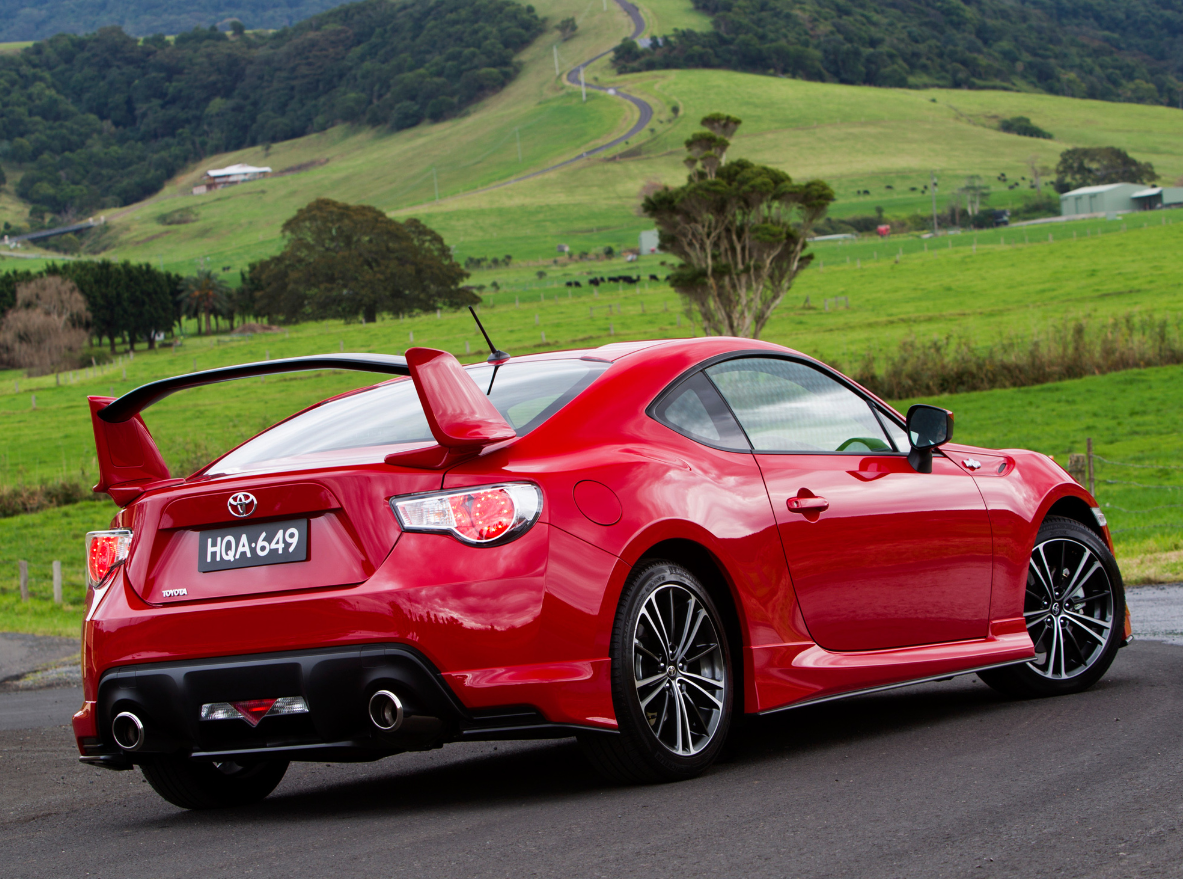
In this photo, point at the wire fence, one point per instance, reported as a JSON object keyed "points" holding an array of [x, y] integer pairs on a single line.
{"points": [[1117, 495]]}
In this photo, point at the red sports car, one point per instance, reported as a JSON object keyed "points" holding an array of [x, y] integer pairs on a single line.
{"points": [[630, 544]]}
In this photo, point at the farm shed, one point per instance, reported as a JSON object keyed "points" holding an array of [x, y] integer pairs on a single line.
{"points": [[1108, 198], [216, 178], [1159, 197]]}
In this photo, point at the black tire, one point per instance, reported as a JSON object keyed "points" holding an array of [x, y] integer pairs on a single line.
{"points": [[193, 785], [1075, 639], [697, 685]]}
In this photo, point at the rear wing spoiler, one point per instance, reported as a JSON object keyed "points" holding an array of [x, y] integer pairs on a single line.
{"points": [[461, 418], [134, 402]]}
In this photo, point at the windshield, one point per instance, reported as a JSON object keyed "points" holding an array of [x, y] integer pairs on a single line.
{"points": [[357, 428]]}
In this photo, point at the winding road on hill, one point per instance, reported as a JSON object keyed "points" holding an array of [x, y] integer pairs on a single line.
{"points": [[644, 109]]}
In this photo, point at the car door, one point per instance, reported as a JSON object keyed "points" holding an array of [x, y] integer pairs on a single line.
{"points": [[880, 556]]}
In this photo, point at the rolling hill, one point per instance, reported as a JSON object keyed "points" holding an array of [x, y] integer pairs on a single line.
{"points": [[885, 141], [27, 20]]}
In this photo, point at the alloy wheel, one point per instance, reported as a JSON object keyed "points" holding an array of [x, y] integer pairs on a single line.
{"points": [[1068, 608], [679, 669]]}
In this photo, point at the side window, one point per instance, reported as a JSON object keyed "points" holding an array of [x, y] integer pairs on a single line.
{"points": [[694, 409], [899, 436], [784, 406]]}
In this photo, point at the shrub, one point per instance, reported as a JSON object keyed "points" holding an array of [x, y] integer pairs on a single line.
{"points": [[1070, 349], [1023, 127]]}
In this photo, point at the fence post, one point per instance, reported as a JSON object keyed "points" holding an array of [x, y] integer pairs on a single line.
{"points": [[57, 582], [1092, 484], [24, 569]]}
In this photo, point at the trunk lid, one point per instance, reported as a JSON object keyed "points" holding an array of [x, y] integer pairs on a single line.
{"points": [[350, 530]]}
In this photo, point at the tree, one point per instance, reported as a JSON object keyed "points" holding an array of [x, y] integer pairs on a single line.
{"points": [[1094, 166], [346, 261], [740, 230], [567, 28], [203, 294], [47, 326]]}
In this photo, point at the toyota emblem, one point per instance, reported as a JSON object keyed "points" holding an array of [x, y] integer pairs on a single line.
{"points": [[242, 504]]}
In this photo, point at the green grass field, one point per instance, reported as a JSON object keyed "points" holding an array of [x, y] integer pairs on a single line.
{"points": [[1001, 290]]}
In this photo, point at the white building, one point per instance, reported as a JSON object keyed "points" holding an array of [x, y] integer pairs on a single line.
{"points": [[219, 177]]}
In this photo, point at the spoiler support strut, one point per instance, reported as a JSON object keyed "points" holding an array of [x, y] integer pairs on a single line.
{"points": [[133, 402]]}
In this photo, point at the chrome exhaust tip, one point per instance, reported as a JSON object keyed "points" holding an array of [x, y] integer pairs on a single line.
{"points": [[386, 711], [128, 731]]}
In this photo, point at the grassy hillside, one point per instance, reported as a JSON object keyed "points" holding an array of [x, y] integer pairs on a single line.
{"points": [[855, 137]]}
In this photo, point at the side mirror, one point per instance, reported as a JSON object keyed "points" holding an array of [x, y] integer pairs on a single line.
{"points": [[928, 428]]}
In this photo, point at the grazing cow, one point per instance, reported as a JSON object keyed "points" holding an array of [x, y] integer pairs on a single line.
{"points": [[576, 283], [653, 278], [570, 283]]}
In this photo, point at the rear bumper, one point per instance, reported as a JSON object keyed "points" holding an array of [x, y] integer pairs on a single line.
{"points": [[336, 683]]}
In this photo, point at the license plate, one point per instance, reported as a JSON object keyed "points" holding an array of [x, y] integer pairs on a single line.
{"points": [[248, 546]]}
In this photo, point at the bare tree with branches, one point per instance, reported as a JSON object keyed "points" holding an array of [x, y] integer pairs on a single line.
{"points": [[47, 326]]}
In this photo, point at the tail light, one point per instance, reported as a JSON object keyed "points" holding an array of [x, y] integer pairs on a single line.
{"points": [[484, 516], [105, 550]]}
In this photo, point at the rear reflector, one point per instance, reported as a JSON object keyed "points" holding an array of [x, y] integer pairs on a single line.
{"points": [[253, 710]]}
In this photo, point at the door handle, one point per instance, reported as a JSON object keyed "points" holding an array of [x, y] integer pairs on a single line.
{"points": [[808, 504]]}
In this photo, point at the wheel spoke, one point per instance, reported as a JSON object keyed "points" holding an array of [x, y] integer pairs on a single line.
{"points": [[1045, 575], [688, 640], [1051, 650], [690, 680], [647, 681], [682, 700], [1098, 638], [658, 630], [1078, 581], [645, 702], [709, 649], [1079, 618], [639, 646], [706, 729], [665, 713]]}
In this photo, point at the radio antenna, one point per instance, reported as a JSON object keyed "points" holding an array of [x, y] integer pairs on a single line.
{"points": [[496, 355]]}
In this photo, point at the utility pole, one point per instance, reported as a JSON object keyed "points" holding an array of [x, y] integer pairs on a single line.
{"points": [[934, 203], [518, 134], [582, 85], [556, 59], [436, 181]]}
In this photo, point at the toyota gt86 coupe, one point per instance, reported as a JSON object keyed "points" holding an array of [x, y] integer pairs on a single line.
{"points": [[632, 545]]}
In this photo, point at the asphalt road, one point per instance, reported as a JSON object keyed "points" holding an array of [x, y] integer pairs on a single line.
{"points": [[942, 780]]}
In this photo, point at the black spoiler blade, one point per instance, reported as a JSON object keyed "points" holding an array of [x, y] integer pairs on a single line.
{"points": [[132, 403]]}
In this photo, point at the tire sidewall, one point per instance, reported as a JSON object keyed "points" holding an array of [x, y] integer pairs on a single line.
{"points": [[629, 714]]}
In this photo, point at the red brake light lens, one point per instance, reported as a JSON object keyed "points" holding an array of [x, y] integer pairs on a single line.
{"points": [[105, 550], [480, 516]]}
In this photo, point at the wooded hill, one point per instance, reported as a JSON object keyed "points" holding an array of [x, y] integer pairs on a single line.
{"points": [[40, 19], [104, 120], [1127, 51]]}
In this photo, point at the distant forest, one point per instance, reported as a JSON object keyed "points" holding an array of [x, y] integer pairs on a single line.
{"points": [[40, 19], [104, 120], [1130, 50]]}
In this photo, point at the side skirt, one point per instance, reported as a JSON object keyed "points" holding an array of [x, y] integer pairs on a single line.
{"points": [[945, 676]]}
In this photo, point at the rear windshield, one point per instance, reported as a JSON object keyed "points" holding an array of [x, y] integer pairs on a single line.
{"points": [[356, 428]]}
